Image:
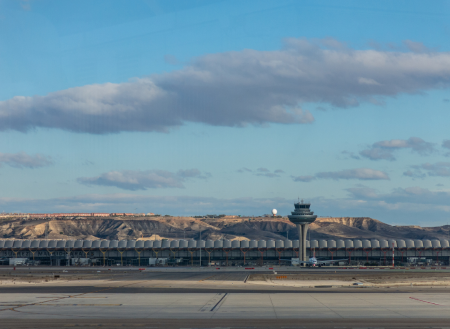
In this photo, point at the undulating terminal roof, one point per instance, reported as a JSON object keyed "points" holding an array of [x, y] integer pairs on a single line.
{"points": [[220, 244]]}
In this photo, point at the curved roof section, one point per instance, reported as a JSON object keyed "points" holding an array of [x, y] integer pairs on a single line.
{"points": [[87, 244], [34, 244], [115, 244]]}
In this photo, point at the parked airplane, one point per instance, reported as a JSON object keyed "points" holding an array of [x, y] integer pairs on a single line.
{"points": [[313, 261]]}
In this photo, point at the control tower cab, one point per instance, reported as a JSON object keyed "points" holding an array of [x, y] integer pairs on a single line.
{"points": [[302, 216]]}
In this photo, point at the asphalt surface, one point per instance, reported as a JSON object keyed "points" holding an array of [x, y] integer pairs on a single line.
{"points": [[208, 298], [200, 309], [176, 290], [365, 323]]}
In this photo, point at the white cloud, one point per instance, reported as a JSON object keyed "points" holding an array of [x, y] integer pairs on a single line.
{"points": [[384, 150], [377, 153], [141, 180], [359, 173], [264, 172], [23, 160], [235, 89], [441, 169]]}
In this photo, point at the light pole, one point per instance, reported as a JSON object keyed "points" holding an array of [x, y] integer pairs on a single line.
{"points": [[200, 243], [68, 256]]}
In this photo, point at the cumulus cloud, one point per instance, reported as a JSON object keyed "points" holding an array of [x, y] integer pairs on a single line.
{"points": [[243, 169], [359, 173], [384, 150], [279, 171], [23, 160], [141, 180], [378, 154], [441, 169], [235, 89]]}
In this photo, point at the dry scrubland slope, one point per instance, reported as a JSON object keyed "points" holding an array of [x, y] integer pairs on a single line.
{"points": [[224, 228]]}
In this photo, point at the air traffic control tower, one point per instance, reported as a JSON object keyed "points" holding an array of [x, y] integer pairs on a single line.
{"points": [[302, 217]]}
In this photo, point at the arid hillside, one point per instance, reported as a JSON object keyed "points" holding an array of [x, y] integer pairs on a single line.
{"points": [[221, 228]]}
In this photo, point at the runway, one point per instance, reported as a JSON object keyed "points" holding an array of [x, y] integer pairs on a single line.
{"points": [[196, 299], [199, 309]]}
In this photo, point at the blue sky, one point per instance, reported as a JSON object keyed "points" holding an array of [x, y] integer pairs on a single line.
{"points": [[237, 107]]}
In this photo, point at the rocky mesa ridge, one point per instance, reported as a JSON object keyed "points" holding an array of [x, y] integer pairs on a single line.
{"points": [[117, 228]]}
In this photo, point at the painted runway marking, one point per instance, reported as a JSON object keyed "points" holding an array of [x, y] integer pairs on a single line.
{"points": [[424, 301], [219, 302], [212, 303]]}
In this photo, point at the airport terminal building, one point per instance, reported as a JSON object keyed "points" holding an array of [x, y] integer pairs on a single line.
{"points": [[220, 252]]}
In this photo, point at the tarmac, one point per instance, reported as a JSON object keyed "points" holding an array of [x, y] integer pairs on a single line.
{"points": [[206, 299]]}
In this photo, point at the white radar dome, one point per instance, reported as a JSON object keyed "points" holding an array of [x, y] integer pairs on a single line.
{"points": [[274, 212]]}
